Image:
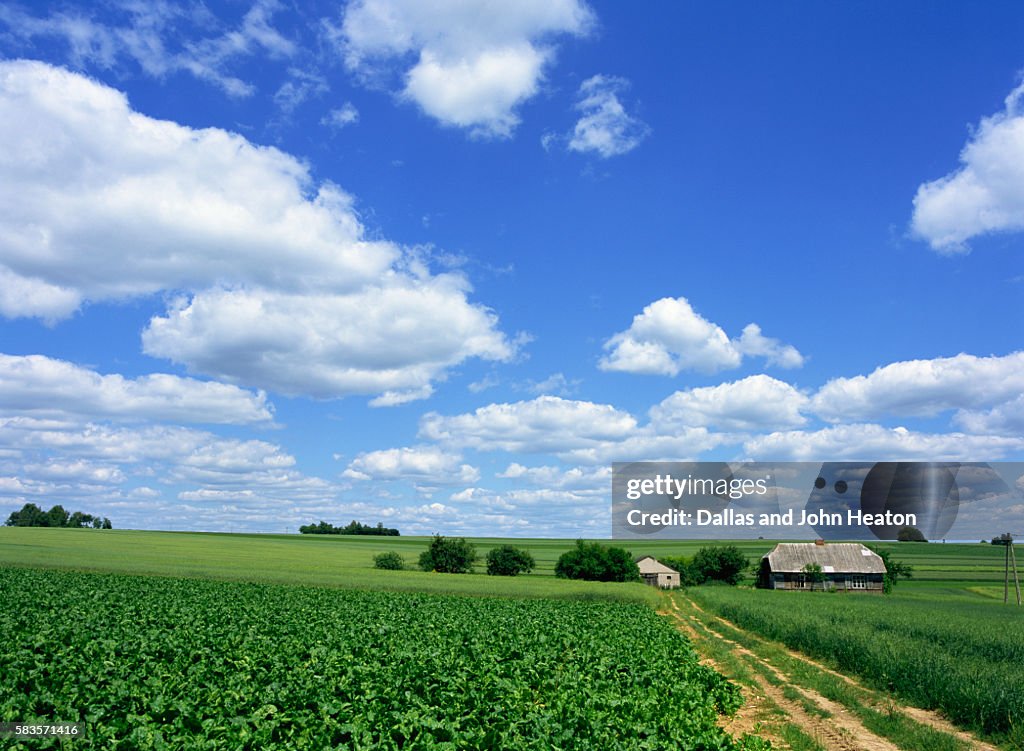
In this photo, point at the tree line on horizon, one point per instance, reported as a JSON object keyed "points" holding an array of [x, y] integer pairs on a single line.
{"points": [[352, 528], [30, 515]]}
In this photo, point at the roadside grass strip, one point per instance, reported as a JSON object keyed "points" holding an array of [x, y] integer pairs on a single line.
{"points": [[963, 658]]}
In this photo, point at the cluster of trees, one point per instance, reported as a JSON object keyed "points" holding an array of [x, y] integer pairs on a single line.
{"points": [[722, 563], [1004, 539], [31, 515], [352, 528], [448, 555], [592, 561]]}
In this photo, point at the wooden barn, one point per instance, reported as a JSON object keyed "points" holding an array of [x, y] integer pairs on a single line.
{"points": [[657, 574], [845, 566]]}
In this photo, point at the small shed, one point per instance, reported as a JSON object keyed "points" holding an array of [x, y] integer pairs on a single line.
{"points": [[846, 566], [657, 574]]}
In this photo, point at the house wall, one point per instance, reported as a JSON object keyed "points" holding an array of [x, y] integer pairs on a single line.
{"points": [[668, 580], [843, 582], [661, 580]]}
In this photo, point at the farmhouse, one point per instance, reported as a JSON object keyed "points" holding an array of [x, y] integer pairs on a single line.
{"points": [[657, 574], [845, 566]]}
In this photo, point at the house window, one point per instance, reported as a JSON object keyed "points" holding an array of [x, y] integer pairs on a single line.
{"points": [[858, 581]]}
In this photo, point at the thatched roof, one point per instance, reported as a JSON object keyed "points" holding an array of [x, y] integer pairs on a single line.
{"points": [[833, 557], [650, 565]]}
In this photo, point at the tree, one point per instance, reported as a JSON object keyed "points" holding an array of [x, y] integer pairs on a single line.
{"points": [[509, 561], [448, 556], [1004, 539], [814, 574], [58, 516], [724, 563], [595, 562], [893, 569], [30, 515], [78, 520], [911, 534], [391, 561], [688, 575]]}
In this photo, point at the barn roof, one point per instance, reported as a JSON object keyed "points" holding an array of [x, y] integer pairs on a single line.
{"points": [[650, 565], [835, 557]]}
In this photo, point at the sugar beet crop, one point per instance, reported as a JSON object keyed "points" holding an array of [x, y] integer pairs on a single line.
{"points": [[153, 663]]}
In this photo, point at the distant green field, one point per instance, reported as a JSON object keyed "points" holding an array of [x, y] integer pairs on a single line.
{"points": [[347, 561]]}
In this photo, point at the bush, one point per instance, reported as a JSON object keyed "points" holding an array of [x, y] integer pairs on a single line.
{"points": [[391, 561], [725, 563], [448, 556], [509, 561], [595, 562]]}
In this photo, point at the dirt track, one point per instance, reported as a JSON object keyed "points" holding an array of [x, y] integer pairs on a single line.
{"points": [[841, 730]]}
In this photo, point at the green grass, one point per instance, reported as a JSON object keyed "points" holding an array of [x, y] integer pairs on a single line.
{"points": [[886, 721], [329, 561], [969, 571], [951, 653]]}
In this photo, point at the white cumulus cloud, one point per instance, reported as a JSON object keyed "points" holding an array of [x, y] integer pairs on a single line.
{"points": [[758, 402], [277, 286], [574, 431], [573, 478], [39, 385], [1004, 419], [923, 388], [393, 339], [470, 63], [547, 423], [669, 336], [986, 193], [429, 464], [866, 442]]}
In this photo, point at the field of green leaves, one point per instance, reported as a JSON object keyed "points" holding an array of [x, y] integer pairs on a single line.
{"points": [[155, 663], [962, 655]]}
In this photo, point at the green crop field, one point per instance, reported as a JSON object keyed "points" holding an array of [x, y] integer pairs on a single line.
{"points": [[159, 663], [258, 641]]}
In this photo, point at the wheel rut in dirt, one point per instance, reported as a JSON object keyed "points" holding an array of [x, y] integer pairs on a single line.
{"points": [[922, 716]]}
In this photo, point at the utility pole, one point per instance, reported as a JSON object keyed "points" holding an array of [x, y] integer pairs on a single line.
{"points": [[1013, 562], [1010, 559]]}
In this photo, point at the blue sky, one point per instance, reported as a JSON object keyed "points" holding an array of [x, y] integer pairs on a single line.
{"points": [[439, 264]]}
